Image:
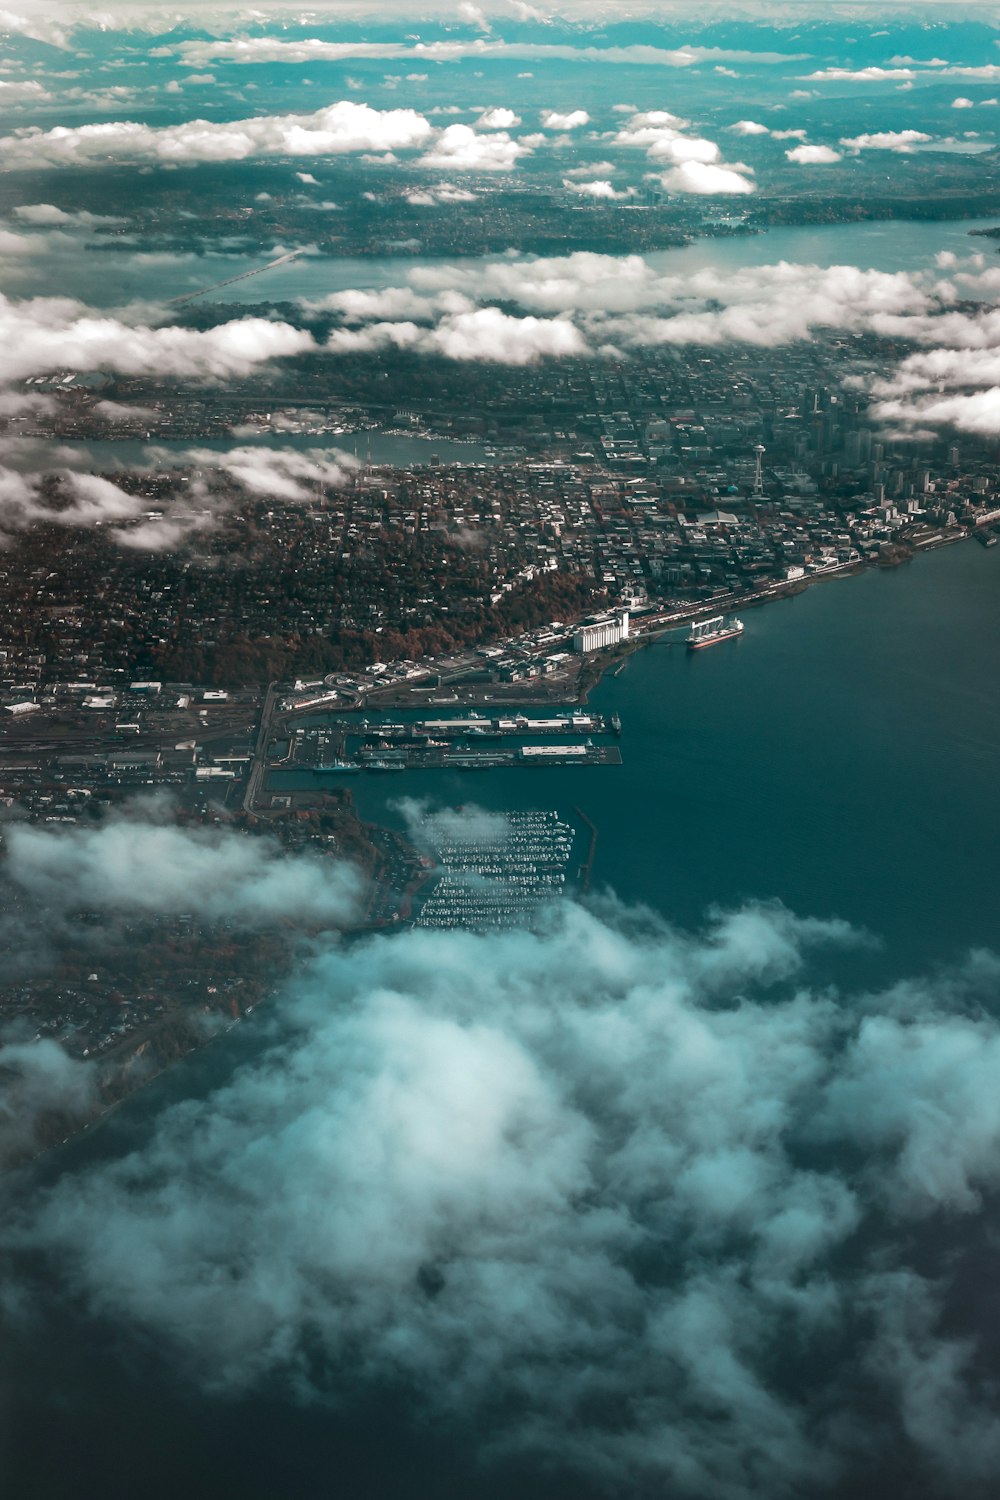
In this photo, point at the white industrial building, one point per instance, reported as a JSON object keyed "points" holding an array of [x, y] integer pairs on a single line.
{"points": [[594, 635]]}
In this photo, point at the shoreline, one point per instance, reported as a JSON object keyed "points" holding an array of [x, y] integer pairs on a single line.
{"points": [[611, 660]]}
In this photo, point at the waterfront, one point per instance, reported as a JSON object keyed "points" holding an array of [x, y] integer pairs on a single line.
{"points": [[841, 757], [113, 276]]}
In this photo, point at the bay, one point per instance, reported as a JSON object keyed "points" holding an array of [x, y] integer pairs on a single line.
{"points": [[842, 757], [110, 278]]}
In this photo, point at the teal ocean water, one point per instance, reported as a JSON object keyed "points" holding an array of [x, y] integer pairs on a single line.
{"points": [[842, 757]]}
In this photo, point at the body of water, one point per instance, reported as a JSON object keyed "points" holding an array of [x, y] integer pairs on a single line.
{"points": [[396, 449], [841, 756], [110, 278]]}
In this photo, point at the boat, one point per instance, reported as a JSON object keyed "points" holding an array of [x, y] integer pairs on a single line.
{"points": [[711, 632], [616, 724], [986, 538], [339, 767]]}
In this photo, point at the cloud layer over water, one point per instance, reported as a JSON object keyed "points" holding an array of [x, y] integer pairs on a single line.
{"points": [[605, 1190]]}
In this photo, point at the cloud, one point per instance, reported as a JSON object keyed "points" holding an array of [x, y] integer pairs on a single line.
{"points": [[604, 302], [45, 334], [643, 1206], [485, 334], [973, 411], [553, 120], [141, 861], [663, 137], [962, 103], [459, 148], [598, 188], [498, 119], [39, 1081], [47, 215], [344, 127], [986, 73], [36, 486], [313, 49], [705, 178], [749, 127], [902, 141], [813, 155], [870, 74], [291, 474]]}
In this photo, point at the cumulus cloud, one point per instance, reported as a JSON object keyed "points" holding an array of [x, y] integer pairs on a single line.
{"points": [[460, 148], [47, 215], [282, 473], [749, 127], [886, 140], [340, 128], [663, 136], [44, 334], [635, 1204], [486, 334], [141, 861], [553, 120], [498, 119], [591, 302], [599, 187], [705, 178], [69, 499], [813, 155]]}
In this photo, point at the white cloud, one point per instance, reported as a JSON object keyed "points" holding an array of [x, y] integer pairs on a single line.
{"points": [[340, 128], [141, 861], [46, 334], [498, 119], [314, 49], [48, 215], [483, 334], [870, 74], [598, 188], [813, 155], [962, 103], [473, 15], [749, 127], [703, 177], [291, 474], [902, 141], [553, 120], [459, 148], [581, 1192]]}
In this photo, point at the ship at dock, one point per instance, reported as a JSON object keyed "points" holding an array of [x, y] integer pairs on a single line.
{"points": [[711, 632], [339, 768]]}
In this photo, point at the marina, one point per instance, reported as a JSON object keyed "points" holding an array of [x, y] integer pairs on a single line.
{"points": [[502, 877]]}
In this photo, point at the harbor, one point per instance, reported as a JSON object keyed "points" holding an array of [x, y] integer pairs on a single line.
{"points": [[501, 877], [346, 746]]}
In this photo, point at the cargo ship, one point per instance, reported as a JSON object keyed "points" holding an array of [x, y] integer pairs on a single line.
{"points": [[339, 768], [711, 632]]}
